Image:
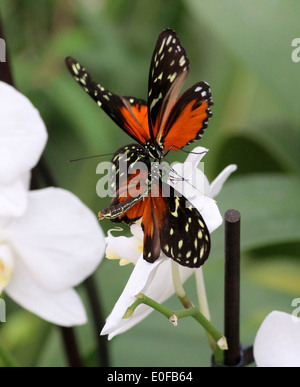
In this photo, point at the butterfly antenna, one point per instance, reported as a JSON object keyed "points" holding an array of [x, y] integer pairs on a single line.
{"points": [[182, 150], [181, 177], [91, 157]]}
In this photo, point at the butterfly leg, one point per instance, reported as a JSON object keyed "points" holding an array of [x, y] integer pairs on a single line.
{"points": [[114, 212]]}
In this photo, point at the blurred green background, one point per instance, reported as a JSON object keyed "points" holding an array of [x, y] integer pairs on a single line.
{"points": [[243, 49]]}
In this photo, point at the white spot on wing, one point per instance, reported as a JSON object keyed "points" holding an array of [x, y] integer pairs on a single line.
{"points": [[182, 61], [162, 46], [172, 77], [169, 40]]}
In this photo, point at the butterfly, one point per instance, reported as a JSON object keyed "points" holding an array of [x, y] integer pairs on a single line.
{"points": [[163, 123]]}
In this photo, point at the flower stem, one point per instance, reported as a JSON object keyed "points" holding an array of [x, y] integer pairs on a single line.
{"points": [[203, 303], [179, 290], [142, 299], [217, 342], [201, 293], [175, 316], [71, 347]]}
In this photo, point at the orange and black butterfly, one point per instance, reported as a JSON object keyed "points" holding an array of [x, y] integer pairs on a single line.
{"points": [[165, 122]]}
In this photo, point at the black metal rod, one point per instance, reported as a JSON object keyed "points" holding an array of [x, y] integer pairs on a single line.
{"points": [[71, 347], [232, 286]]}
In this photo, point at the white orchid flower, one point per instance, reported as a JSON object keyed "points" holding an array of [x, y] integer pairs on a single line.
{"points": [[48, 251], [49, 240], [277, 342], [155, 279], [23, 137]]}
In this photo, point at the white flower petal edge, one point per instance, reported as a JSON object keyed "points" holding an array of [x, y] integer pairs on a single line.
{"points": [[58, 239], [196, 156], [136, 284], [191, 173], [122, 248], [62, 308], [13, 199], [7, 265], [198, 190], [217, 184], [211, 214], [152, 279], [277, 341], [23, 135]]}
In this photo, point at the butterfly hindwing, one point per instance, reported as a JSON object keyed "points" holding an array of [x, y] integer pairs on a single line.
{"points": [[173, 225], [129, 113], [184, 236]]}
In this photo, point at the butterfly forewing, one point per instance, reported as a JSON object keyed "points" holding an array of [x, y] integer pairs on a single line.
{"points": [[168, 70], [129, 113], [188, 118]]}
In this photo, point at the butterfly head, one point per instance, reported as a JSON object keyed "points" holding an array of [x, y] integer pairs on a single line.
{"points": [[154, 151]]}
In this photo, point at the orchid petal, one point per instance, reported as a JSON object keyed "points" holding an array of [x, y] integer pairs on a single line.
{"points": [[142, 273], [190, 185], [58, 239], [7, 265], [152, 279], [277, 341], [196, 156], [192, 173], [13, 199], [217, 184], [210, 213], [122, 248], [62, 308], [23, 135], [204, 204], [137, 231]]}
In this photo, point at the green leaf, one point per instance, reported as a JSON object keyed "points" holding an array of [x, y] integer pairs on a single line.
{"points": [[269, 206], [281, 274], [259, 33], [22, 338], [6, 359], [264, 148]]}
